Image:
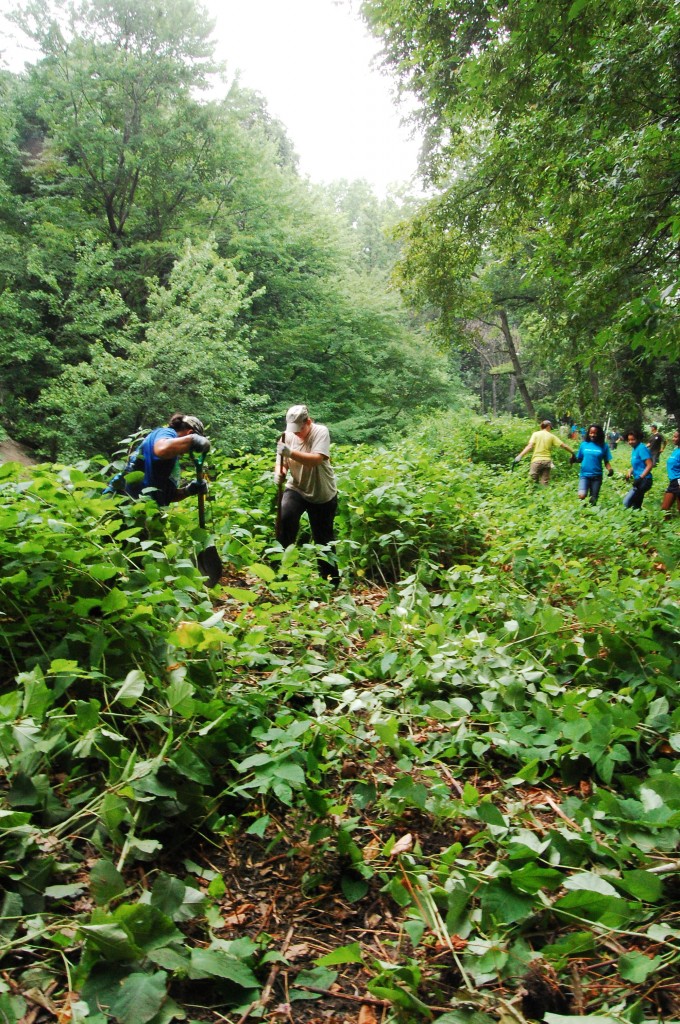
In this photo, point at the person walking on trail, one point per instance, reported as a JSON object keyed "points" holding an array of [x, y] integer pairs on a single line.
{"points": [[640, 472], [593, 454], [305, 460], [542, 441], [672, 493], [158, 458], [656, 444]]}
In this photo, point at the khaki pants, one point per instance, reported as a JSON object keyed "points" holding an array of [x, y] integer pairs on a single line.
{"points": [[539, 470]]}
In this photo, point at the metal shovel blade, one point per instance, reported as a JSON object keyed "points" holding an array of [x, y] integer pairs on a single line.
{"points": [[210, 565], [208, 561]]}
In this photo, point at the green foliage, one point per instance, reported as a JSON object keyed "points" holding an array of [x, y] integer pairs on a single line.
{"points": [[549, 151], [160, 251], [193, 356], [522, 664]]}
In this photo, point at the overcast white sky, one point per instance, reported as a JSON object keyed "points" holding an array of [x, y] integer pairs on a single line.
{"points": [[311, 59]]}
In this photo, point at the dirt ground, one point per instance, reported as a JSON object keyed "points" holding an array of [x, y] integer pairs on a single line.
{"points": [[10, 451]]}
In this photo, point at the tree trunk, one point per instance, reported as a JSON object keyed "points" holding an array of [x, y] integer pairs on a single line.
{"points": [[671, 395], [594, 385], [514, 359]]}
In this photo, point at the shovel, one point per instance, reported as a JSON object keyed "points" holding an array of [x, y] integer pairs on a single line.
{"points": [[279, 492], [208, 560]]}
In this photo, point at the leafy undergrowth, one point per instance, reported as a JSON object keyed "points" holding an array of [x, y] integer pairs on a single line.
{"points": [[448, 792]]}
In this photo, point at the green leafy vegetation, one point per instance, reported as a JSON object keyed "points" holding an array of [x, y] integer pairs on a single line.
{"points": [[162, 252], [550, 240], [473, 745], [450, 790]]}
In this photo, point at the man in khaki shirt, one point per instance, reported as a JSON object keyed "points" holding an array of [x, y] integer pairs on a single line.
{"points": [[542, 441], [305, 454]]}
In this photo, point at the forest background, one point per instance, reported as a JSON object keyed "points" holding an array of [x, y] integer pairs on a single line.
{"points": [[161, 251], [448, 791]]}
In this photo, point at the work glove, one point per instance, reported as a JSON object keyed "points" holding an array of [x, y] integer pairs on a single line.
{"points": [[518, 458], [572, 460], [610, 472], [196, 486], [282, 449], [199, 443], [279, 478]]}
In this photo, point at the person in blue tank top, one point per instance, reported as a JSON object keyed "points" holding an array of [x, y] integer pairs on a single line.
{"points": [[157, 457], [593, 453], [640, 472], [672, 493]]}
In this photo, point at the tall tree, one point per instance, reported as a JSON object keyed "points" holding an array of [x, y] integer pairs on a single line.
{"points": [[114, 93], [556, 123]]}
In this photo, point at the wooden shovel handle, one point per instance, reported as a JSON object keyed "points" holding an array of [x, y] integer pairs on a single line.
{"points": [[279, 490], [198, 462]]}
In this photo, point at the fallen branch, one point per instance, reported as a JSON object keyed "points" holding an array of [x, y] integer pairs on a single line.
{"points": [[383, 1004], [560, 813], [369, 1000], [266, 993]]}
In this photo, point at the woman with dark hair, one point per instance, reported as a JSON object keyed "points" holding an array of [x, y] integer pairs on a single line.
{"points": [[593, 453], [640, 472], [672, 494]]}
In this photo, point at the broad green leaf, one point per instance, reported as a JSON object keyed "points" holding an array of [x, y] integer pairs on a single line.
{"points": [[572, 944], [10, 913], [262, 571], [387, 731], [551, 619], [642, 885], [353, 888], [489, 813], [179, 696], [241, 594], [215, 963], [140, 997], [168, 894], [259, 826], [465, 1016], [590, 905], [64, 892], [318, 977], [501, 905], [111, 941], [102, 572], [590, 881], [188, 763], [531, 878], [636, 967], [13, 819], [149, 927], [131, 689], [350, 954], [106, 882], [115, 601]]}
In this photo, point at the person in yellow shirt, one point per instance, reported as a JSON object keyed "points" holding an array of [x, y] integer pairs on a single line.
{"points": [[542, 441]]}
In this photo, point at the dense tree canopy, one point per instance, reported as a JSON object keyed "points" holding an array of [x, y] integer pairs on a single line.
{"points": [[552, 141], [160, 250]]}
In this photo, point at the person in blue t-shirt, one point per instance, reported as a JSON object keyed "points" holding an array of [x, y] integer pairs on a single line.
{"points": [[672, 493], [157, 457], [640, 472], [593, 453]]}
